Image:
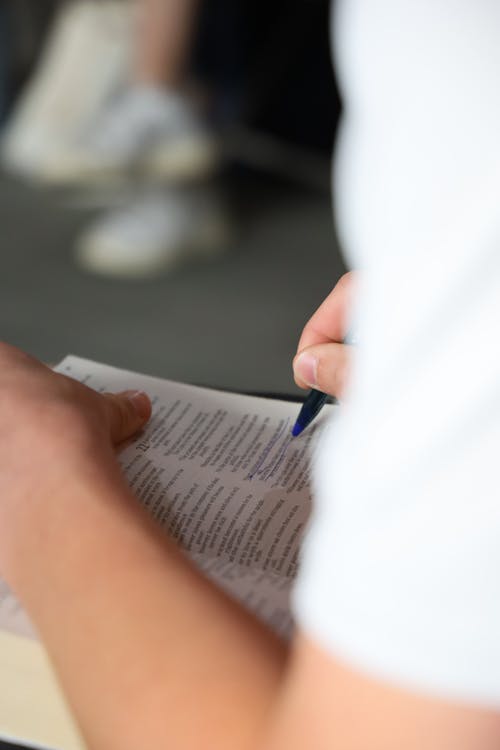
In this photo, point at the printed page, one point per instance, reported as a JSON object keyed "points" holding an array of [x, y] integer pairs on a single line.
{"points": [[221, 473], [12, 616]]}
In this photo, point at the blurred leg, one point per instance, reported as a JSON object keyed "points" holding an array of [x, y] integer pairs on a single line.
{"points": [[164, 41]]}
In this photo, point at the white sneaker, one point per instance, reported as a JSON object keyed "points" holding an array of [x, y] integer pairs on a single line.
{"points": [[154, 234], [147, 132], [85, 58]]}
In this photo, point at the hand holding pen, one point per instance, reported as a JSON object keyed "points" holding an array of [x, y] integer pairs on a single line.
{"points": [[322, 361]]}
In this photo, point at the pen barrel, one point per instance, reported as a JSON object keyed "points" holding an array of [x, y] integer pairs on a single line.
{"points": [[315, 403]]}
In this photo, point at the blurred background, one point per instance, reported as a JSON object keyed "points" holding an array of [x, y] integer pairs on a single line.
{"points": [[165, 183]]}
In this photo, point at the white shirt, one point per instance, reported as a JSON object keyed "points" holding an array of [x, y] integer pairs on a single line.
{"points": [[401, 567]]}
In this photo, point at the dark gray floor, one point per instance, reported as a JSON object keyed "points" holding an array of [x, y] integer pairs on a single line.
{"points": [[232, 323]]}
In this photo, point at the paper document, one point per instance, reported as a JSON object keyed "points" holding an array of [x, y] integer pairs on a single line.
{"points": [[222, 474]]}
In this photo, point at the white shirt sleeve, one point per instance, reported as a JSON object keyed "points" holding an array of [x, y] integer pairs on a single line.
{"points": [[401, 566]]}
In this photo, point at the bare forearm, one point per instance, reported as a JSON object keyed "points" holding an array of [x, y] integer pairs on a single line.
{"points": [[149, 653]]}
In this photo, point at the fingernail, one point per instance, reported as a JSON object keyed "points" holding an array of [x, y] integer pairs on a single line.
{"points": [[306, 368], [140, 401]]}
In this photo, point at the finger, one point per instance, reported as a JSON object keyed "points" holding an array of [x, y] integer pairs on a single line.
{"points": [[127, 413], [324, 367], [330, 321]]}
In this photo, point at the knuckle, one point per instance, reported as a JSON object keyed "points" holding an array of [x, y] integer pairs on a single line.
{"points": [[326, 375], [7, 350], [347, 278], [120, 414], [63, 416], [45, 407], [332, 369], [123, 416]]}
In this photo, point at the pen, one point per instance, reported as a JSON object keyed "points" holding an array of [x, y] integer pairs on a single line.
{"points": [[310, 408], [314, 402]]}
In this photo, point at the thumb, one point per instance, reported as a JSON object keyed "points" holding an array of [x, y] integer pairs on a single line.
{"points": [[324, 367], [127, 413]]}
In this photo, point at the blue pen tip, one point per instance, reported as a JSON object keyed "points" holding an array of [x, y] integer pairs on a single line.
{"points": [[296, 429]]}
